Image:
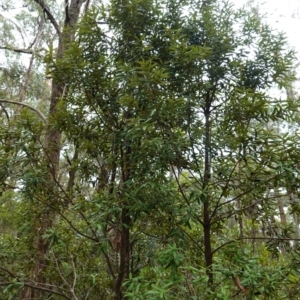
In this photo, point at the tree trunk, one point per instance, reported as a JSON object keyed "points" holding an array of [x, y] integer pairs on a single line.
{"points": [[296, 224], [206, 209], [282, 215], [51, 147], [124, 255]]}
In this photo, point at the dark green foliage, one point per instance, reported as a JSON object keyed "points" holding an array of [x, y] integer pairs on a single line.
{"points": [[173, 161]]}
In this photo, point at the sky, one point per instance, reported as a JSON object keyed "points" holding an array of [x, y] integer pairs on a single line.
{"points": [[283, 15]]}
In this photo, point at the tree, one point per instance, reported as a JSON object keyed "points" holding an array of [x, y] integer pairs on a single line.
{"points": [[51, 149], [158, 172]]}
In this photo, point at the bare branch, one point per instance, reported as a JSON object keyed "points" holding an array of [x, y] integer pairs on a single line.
{"points": [[17, 26], [75, 275], [29, 70], [49, 15], [34, 286], [67, 220], [38, 35], [26, 51], [35, 42], [71, 288], [256, 238], [5, 111], [86, 7], [37, 287], [41, 115], [8, 271], [224, 189]]}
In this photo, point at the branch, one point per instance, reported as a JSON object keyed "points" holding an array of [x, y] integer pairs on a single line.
{"points": [[49, 15], [8, 271], [255, 238], [29, 70], [238, 283], [63, 278], [35, 41], [37, 38], [47, 290], [66, 219], [237, 211], [34, 286], [26, 51], [17, 26], [75, 276], [5, 111], [191, 238], [41, 115], [224, 189], [183, 194], [248, 191], [86, 7]]}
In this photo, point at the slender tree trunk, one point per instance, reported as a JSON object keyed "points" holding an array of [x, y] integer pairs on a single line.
{"points": [[297, 230], [240, 219], [29, 70], [280, 202], [206, 208], [124, 255], [296, 224], [51, 147], [239, 204], [282, 215]]}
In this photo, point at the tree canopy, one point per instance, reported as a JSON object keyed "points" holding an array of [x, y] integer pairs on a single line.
{"points": [[148, 151]]}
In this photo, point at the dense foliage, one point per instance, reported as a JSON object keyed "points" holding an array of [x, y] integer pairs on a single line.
{"points": [[167, 164]]}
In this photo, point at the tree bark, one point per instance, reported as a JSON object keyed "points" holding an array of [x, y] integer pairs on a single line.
{"points": [[52, 145], [206, 180], [124, 251], [124, 255]]}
